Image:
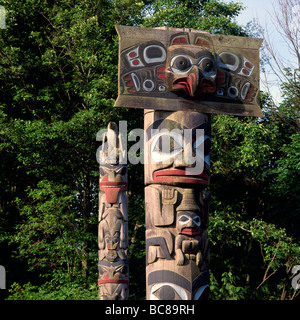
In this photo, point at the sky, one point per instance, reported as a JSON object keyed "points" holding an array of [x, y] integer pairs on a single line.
{"points": [[260, 10]]}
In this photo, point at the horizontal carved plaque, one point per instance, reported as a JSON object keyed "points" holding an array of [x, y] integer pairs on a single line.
{"points": [[184, 69]]}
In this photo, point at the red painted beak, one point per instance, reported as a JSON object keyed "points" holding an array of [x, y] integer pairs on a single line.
{"points": [[194, 84], [189, 84]]}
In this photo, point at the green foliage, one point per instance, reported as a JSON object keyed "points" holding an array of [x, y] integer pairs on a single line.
{"points": [[61, 287], [209, 15], [254, 211], [58, 84]]}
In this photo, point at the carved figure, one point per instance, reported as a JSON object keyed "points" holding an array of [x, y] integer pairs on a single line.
{"points": [[113, 220]]}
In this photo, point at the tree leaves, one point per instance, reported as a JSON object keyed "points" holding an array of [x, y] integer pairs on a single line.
{"points": [[58, 84]]}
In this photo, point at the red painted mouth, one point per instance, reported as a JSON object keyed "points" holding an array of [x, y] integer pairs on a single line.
{"points": [[190, 231], [180, 176]]}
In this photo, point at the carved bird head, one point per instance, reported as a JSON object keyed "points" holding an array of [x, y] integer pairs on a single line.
{"points": [[190, 71]]}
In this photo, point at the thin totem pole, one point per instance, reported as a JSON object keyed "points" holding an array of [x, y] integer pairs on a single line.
{"points": [[113, 219], [181, 76]]}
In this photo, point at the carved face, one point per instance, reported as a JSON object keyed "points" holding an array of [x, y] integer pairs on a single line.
{"points": [[178, 148], [191, 71], [113, 180], [111, 275], [113, 232], [188, 223]]}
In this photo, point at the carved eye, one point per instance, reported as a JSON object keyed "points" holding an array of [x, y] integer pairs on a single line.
{"points": [[180, 64], [183, 219], [197, 221], [123, 269], [167, 291], [207, 65], [165, 145]]}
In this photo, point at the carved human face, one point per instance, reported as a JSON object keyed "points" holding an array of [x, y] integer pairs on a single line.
{"points": [[188, 223], [177, 152], [190, 71]]}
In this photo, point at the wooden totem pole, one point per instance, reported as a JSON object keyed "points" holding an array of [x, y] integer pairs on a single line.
{"points": [[113, 219], [181, 76]]}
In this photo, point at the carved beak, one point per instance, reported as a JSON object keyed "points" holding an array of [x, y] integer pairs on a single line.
{"points": [[189, 84]]}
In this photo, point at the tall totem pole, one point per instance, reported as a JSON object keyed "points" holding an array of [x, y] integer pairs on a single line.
{"points": [[181, 76], [113, 219]]}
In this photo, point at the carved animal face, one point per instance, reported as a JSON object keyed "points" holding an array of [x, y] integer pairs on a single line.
{"points": [[113, 279], [113, 179], [191, 72], [112, 233]]}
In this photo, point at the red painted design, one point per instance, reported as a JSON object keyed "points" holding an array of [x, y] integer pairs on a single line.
{"points": [[162, 76], [180, 176], [207, 86], [104, 281], [190, 231], [112, 189], [248, 64], [135, 62], [186, 84], [181, 40], [161, 73], [220, 77], [202, 42], [132, 54]]}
